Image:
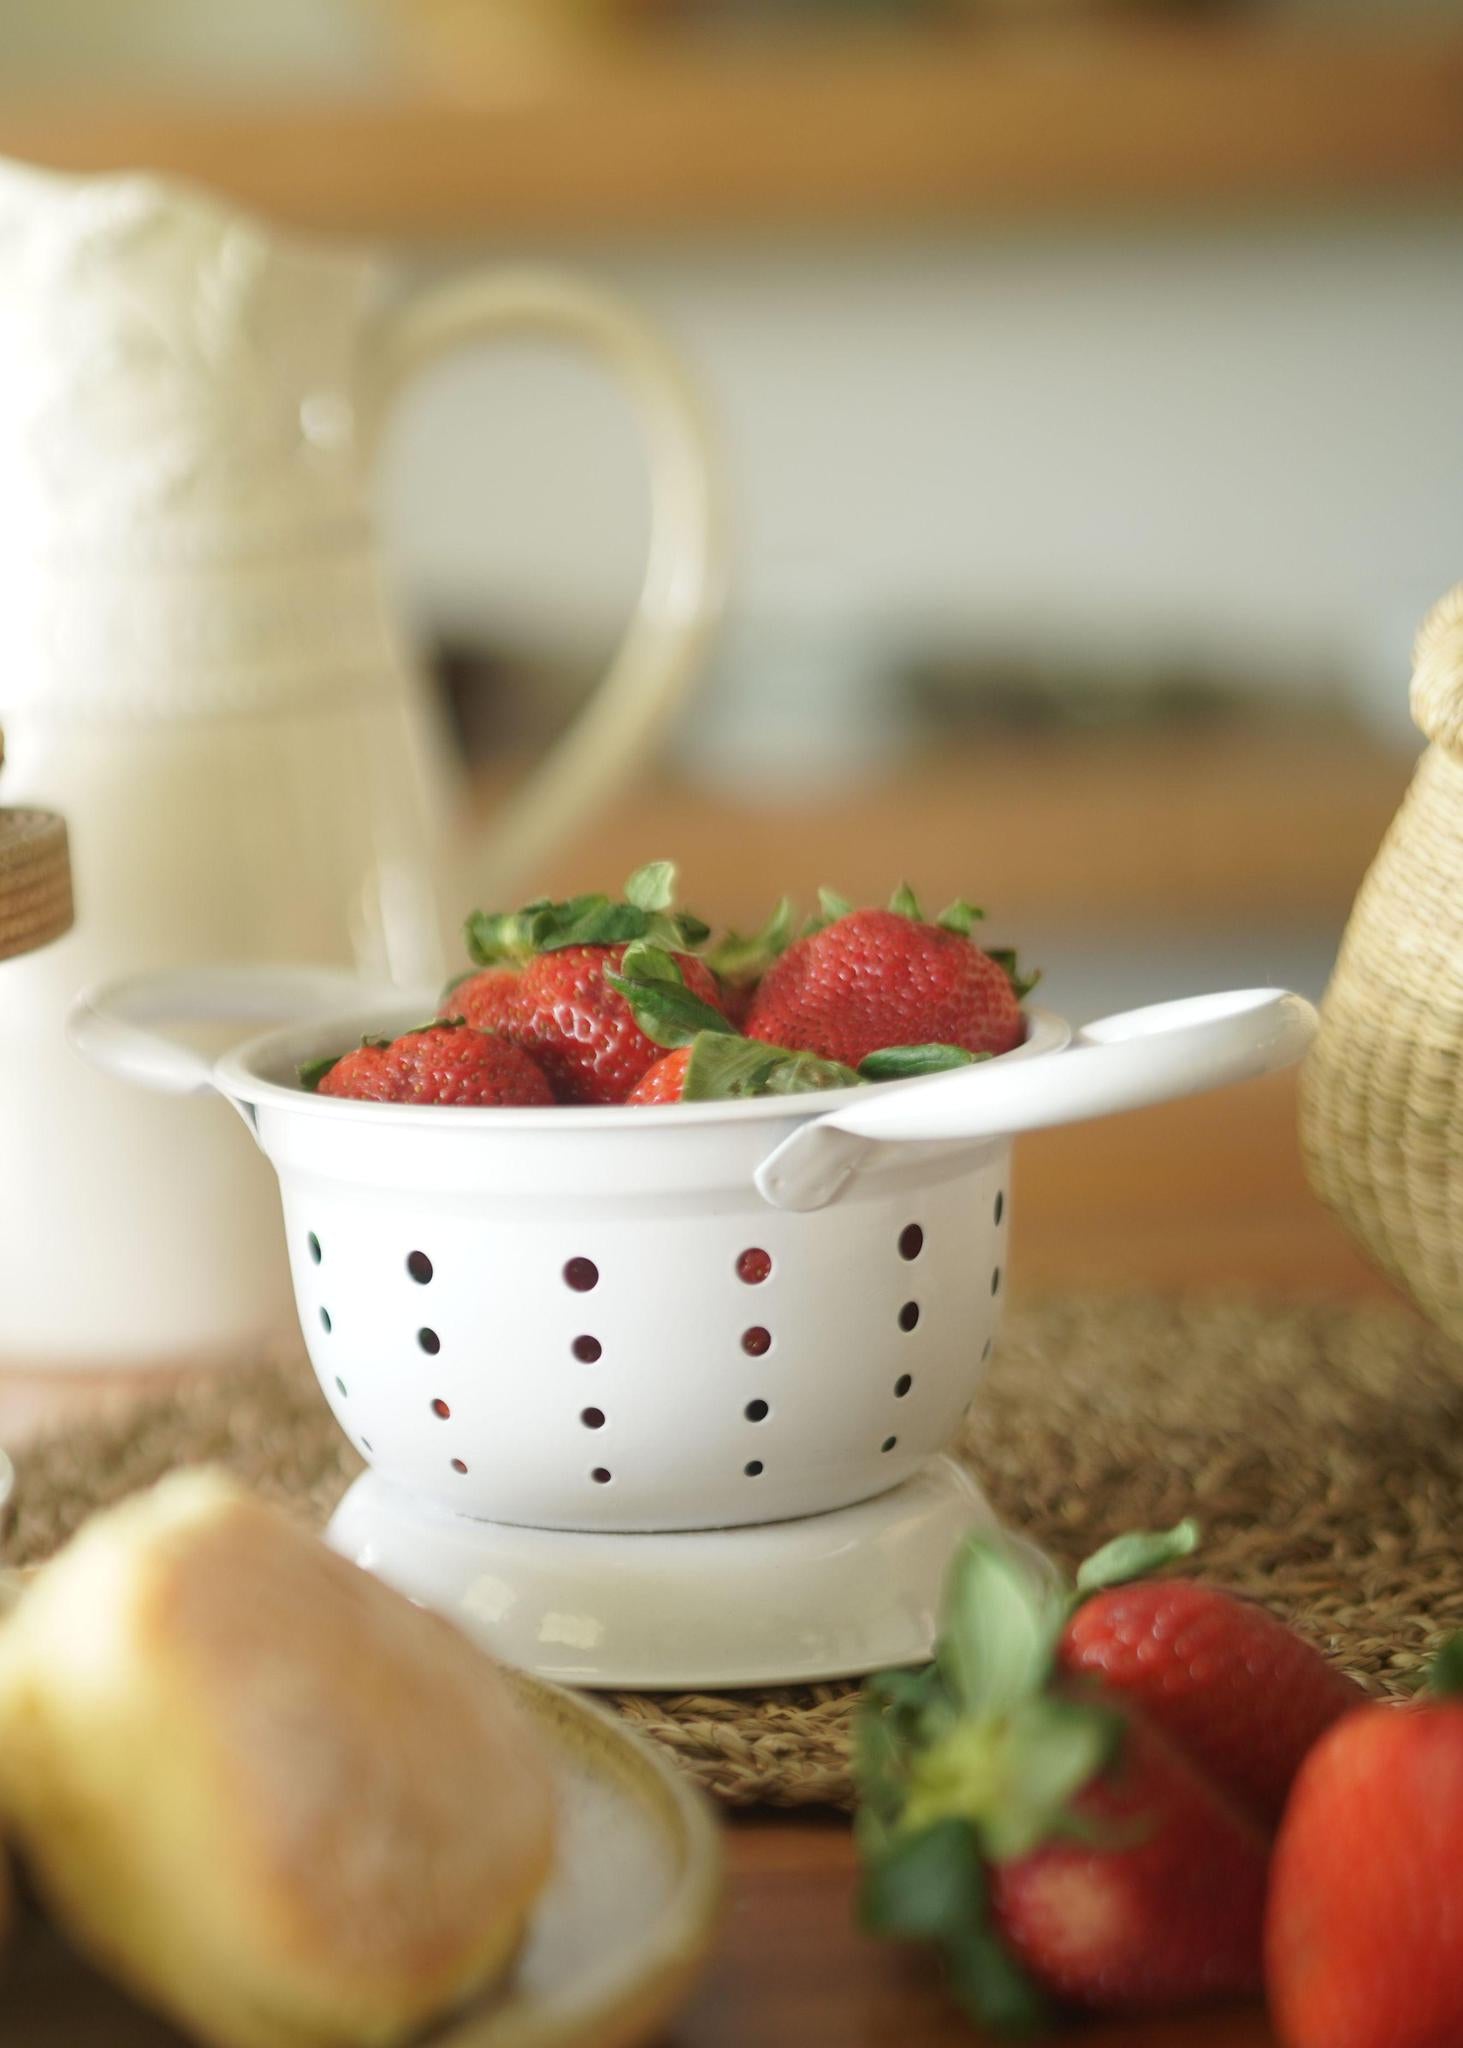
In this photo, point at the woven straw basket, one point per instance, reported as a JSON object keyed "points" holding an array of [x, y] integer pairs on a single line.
{"points": [[1382, 1091]]}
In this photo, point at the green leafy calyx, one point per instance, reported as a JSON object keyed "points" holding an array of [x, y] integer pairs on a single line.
{"points": [[1005, 959], [725, 1068], [742, 960], [1445, 1673], [1137, 1554], [513, 936], [979, 1759], [665, 1009], [907, 1062], [831, 907], [959, 917]]}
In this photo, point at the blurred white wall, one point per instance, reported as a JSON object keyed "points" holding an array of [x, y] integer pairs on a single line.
{"points": [[1240, 446]]}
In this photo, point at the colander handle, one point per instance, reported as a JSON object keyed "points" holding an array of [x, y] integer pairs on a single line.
{"points": [[116, 1026], [1122, 1062]]}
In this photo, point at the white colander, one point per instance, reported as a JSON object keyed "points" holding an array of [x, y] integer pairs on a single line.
{"points": [[629, 1320]]}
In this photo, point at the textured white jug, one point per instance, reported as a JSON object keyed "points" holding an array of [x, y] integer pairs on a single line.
{"points": [[198, 668]]}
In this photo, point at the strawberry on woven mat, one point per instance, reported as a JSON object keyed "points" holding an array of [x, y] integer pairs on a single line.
{"points": [[1075, 1801]]}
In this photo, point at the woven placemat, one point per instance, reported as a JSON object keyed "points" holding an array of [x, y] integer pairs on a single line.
{"points": [[1322, 1446]]}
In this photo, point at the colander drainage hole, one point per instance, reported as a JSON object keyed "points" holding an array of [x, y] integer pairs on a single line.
{"points": [[365, 1443], [592, 1418], [440, 1408], [888, 1443], [458, 1465], [430, 1342], [314, 1243], [340, 1383], [902, 1386], [587, 1349], [909, 1315], [420, 1267], [756, 1342], [996, 1281], [1000, 1204], [756, 1411], [325, 1320], [600, 1475], [753, 1468], [754, 1265], [911, 1241], [581, 1275]]}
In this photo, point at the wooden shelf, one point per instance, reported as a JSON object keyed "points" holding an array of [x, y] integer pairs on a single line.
{"points": [[845, 134]]}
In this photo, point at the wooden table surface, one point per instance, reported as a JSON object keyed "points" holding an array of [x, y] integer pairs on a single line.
{"points": [[1198, 1196]]}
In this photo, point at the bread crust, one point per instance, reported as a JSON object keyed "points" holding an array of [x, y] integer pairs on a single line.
{"points": [[278, 1801]]}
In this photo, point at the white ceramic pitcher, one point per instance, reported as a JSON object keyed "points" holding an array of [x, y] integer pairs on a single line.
{"points": [[199, 669]]}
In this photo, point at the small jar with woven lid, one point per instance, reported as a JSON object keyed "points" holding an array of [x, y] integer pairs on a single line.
{"points": [[1382, 1091], [35, 879]]}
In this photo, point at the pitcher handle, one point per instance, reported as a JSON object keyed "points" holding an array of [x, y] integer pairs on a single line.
{"points": [[680, 596]]}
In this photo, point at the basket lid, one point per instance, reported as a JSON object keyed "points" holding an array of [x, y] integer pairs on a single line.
{"points": [[35, 879], [1437, 676]]}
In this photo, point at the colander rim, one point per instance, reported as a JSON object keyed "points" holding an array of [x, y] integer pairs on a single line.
{"points": [[244, 1075]]}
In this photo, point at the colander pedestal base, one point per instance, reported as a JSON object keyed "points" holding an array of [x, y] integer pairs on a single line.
{"points": [[777, 1603]]}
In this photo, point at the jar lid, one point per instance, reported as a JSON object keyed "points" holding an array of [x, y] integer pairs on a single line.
{"points": [[35, 879], [1437, 676]]}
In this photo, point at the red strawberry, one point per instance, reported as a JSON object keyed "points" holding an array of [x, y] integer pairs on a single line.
{"points": [[563, 1008], [485, 1000], [442, 1063], [1162, 1906], [876, 978], [581, 1031], [1054, 1842], [1239, 1694], [1364, 1932], [664, 1081]]}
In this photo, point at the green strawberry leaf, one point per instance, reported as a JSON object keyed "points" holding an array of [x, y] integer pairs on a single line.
{"points": [[906, 903], [595, 921], [905, 1062], [643, 962], [652, 887], [1137, 1554], [1011, 1776], [739, 960], [991, 1987], [313, 1072], [507, 936], [1002, 1618], [831, 907], [1005, 959], [590, 920], [959, 917], [1445, 1673], [925, 1885], [666, 1010], [725, 1067]]}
